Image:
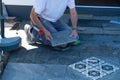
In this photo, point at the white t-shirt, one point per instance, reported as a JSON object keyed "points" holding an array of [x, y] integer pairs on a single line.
{"points": [[52, 10]]}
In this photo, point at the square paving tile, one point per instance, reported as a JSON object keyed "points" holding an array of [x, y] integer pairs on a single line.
{"points": [[23, 71], [62, 37]]}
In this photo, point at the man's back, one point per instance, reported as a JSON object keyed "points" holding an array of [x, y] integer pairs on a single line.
{"points": [[52, 10]]}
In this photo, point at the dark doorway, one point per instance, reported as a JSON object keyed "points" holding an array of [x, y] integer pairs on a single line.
{"points": [[98, 2]]}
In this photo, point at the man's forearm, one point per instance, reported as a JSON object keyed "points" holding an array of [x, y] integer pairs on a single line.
{"points": [[34, 18], [38, 23], [74, 18]]}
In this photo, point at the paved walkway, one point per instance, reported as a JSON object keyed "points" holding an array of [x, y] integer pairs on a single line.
{"points": [[38, 62]]}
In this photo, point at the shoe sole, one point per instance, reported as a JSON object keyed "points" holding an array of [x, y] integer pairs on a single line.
{"points": [[75, 43], [65, 49]]}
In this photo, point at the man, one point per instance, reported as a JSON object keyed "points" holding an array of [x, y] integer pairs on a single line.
{"points": [[45, 16]]}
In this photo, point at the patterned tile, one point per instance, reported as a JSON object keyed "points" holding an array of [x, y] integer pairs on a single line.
{"points": [[94, 68]]}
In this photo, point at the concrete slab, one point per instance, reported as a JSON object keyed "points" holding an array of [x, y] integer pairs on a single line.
{"points": [[111, 27], [92, 30], [25, 71], [106, 32], [61, 38], [22, 71], [54, 72]]}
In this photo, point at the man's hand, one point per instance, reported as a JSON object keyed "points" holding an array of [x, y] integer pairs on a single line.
{"points": [[47, 34], [74, 33]]}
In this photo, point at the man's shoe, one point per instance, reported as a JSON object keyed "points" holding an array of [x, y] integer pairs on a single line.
{"points": [[62, 48], [30, 38]]}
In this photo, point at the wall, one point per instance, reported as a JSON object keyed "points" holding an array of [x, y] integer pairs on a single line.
{"points": [[98, 2]]}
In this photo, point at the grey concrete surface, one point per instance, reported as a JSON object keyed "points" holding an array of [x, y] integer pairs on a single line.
{"points": [[47, 64]]}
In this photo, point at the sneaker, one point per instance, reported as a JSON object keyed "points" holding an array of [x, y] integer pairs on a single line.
{"points": [[75, 43], [30, 38], [62, 48]]}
